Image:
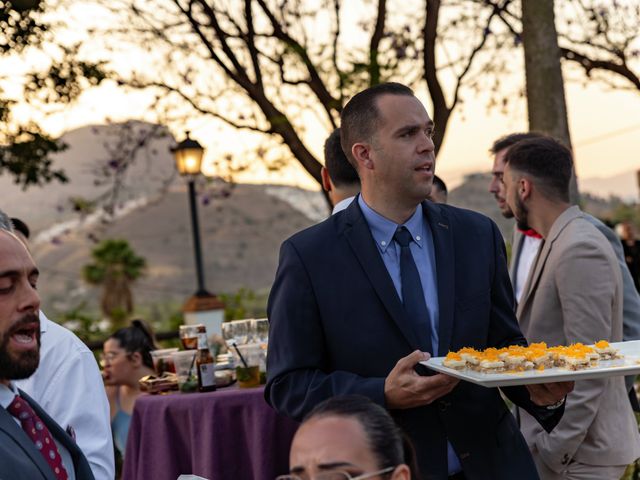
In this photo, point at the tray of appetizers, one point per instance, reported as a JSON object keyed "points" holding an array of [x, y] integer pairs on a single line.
{"points": [[539, 363]]}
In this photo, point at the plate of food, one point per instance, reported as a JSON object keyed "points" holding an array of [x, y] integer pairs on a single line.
{"points": [[539, 363]]}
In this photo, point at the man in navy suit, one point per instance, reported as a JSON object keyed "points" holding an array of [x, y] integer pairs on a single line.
{"points": [[49, 453], [339, 324]]}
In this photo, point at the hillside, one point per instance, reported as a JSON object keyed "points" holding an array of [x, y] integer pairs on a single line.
{"points": [[90, 150], [473, 194], [241, 236]]}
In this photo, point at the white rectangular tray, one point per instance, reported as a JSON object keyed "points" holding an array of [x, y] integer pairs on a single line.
{"points": [[629, 365]]}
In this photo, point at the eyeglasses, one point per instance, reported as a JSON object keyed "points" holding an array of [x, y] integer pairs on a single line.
{"points": [[337, 475], [109, 357]]}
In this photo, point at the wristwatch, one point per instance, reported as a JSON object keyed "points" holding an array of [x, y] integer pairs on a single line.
{"points": [[558, 404]]}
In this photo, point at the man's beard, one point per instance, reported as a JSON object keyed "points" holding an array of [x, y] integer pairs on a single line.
{"points": [[25, 363], [507, 212], [521, 213]]}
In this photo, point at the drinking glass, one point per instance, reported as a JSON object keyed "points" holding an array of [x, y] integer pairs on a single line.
{"points": [[236, 332], [260, 328], [189, 336]]}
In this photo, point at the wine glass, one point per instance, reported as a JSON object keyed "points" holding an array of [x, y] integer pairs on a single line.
{"points": [[260, 329], [236, 332]]}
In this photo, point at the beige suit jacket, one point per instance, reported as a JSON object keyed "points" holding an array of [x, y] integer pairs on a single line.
{"points": [[574, 294]]}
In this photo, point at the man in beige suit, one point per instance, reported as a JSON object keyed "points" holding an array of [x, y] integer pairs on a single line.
{"points": [[574, 294]]}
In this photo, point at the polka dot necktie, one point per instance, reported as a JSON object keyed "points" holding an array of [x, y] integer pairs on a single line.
{"points": [[39, 434]]}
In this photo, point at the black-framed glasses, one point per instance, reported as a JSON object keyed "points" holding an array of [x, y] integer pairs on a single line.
{"points": [[336, 475]]}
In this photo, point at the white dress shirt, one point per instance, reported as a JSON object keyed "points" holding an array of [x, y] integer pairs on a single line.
{"points": [[7, 394], [528, 252], [342, 204], [68, 386]]}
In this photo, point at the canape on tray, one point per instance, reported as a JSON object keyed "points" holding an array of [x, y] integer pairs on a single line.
{"points": [[538, 356]]}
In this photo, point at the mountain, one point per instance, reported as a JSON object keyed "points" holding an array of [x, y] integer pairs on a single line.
{"points": [[89, 164], [623, 185], [473, 194], [240, 235], [241, 227]]}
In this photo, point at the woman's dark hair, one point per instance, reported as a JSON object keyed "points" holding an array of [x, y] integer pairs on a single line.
{"points": [[389, 444], [20, 226], [137, 338]]}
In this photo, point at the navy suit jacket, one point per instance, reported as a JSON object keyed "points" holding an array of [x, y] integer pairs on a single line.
{"points": [[337, 326], [19, 458]]}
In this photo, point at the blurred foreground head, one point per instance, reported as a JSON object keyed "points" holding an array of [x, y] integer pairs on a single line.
{"points": [[349, 436]]}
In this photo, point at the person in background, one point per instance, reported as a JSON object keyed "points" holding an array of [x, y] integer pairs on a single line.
{"points": [[348, 437], [68, 385], [439, 191], [32, 445], [526, 243], [631, 247], [126, 359], [573, 294], [339, 179]]}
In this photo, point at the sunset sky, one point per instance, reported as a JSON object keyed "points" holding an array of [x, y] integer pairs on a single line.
{"points": [[605, 130], [604, 124]]}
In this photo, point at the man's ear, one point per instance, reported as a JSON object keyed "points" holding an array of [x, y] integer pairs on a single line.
{"points": [[525, 187], [362, 153], [326, 180], [401, 472]]}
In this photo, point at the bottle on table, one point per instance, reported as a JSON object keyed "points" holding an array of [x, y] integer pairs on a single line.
{"points": [[205, 363]]}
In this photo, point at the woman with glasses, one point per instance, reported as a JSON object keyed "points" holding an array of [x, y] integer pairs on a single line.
{"points": [[350, 438], [126, 359]]}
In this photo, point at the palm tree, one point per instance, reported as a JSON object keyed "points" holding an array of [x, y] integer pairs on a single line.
{"points": [[115, 266]]}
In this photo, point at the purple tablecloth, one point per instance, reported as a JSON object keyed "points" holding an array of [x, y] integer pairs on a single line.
{"points": [[228, 434]]}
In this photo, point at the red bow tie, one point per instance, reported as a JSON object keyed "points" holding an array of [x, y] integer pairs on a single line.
{"points": [[530, 233]]}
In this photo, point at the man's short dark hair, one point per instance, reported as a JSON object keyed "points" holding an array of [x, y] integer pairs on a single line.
{"points": [[360, 115], [546, 160], [510, 140], [20, 226], [439, 183], [340, 170]]}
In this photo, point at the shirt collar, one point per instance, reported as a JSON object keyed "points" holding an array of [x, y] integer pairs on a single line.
{"points": [[43, 322], [342, 204], [7, 394], [384, 229]]}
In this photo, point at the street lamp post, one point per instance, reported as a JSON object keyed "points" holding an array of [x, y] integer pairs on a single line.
{"points": [[202, 307]]}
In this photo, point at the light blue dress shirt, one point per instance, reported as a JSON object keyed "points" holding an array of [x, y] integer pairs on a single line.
{"points": [[423, 251]]}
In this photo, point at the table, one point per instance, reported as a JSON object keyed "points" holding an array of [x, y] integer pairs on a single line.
{"points": [[227, 434]]}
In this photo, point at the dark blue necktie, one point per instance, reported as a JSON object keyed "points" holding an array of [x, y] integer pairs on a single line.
{"points": [[412, 293]]}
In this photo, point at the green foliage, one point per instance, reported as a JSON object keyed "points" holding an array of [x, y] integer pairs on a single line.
{"points": [[20, 24], [115, 267], [245, 303], [626, 212], [85, 324], [26, 156], [65, 80], [114, 257]]}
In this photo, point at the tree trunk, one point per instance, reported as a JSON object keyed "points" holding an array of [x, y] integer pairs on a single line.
{"points": [[545, 86]]}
